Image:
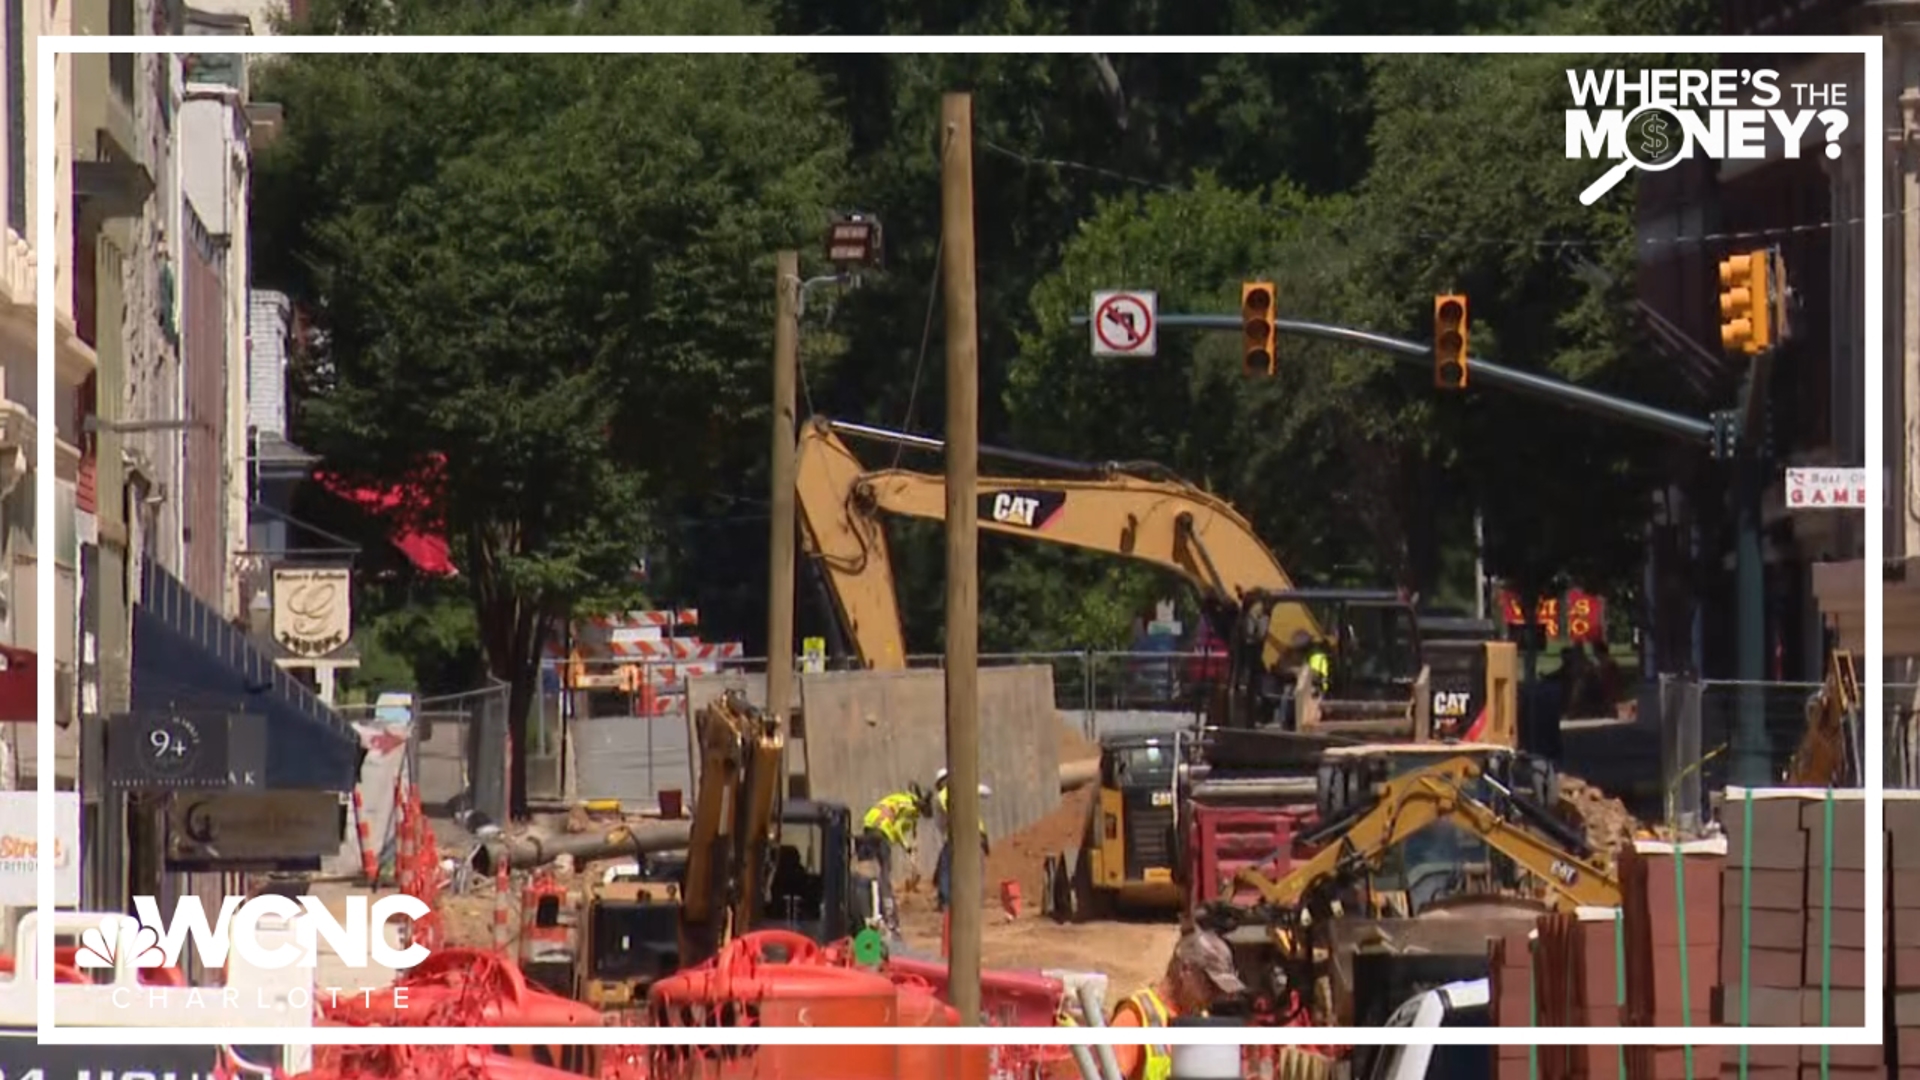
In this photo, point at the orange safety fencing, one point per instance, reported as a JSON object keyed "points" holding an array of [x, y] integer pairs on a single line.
{"points": [[417, 869]]}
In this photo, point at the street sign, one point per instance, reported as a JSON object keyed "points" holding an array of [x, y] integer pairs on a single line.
{"points": [[1124, 323], [1826, 489]]}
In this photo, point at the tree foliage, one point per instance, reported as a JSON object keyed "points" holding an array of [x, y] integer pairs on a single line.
{"points": [[553, 273], [556, 272]]}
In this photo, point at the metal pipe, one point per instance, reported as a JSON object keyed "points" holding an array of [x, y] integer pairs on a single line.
{"points": [[532, 850], [1096, 1013], [1524, 382], [1083, 1057]]}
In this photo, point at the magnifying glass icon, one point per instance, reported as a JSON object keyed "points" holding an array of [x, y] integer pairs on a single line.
{"points": [[1669, 140]]}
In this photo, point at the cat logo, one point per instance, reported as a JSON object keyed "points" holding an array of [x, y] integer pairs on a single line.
{"points": [[1451, 703], [1022, 509], [1564, 871], [579, 1060]]}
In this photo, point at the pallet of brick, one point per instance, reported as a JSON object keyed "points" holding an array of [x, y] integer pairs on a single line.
{"points": [[1673, 1062], [1671, 899], [1510, 981], [1794, 908]]}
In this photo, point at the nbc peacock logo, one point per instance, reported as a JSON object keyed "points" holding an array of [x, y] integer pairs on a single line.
{"points": [[100, 946]]}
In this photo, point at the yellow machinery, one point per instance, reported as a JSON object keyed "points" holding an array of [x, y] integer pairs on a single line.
{"points": [[671, 914], [1388, 683], [1132, 854], [1403, 807], [630, 934], [1826, 756]]}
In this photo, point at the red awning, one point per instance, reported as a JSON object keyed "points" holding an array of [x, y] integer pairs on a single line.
{"points": [[412, 511], [19, 694]]}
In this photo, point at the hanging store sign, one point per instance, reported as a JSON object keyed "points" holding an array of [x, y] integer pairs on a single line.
{"points": [[312, 610], [228, 830], [1826, 489], [174, 752]]}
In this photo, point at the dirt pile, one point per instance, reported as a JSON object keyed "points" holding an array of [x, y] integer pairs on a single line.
{"points": [[1022, 856], [1608, 823]]}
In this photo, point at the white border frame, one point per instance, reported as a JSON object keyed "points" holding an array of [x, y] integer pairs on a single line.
{"points": [[1869, 48]]}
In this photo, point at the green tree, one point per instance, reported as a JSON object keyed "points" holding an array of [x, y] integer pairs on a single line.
{"points": [[549, 271]]}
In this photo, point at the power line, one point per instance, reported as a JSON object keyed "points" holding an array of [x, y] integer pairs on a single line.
{"points": [[1709, 239]]}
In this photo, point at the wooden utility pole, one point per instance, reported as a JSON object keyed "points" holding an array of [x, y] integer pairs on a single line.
{"points": [[780, 540], [963, 568]]}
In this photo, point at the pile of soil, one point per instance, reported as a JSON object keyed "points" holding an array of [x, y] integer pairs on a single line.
{"points": [[1608, 823], [1022, 856]]}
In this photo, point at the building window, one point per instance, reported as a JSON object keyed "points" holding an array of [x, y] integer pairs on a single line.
{"points": [[17, 116], [120, 65]]}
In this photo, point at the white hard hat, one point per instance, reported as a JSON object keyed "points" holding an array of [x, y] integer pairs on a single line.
{"points": [[939, 776]]}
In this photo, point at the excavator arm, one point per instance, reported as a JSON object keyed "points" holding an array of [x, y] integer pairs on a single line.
{"points": [[1822, 759], [735, 821], [1166, 522], [1423, 798]]}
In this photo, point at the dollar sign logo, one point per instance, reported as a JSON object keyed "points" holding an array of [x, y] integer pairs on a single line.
{"points": [[1653, 139]]}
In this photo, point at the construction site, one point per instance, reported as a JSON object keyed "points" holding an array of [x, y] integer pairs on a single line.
{"points": [[1295, 805], [1368, 837]]}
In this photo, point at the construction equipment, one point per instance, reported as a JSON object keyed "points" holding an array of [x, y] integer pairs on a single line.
{"points": [[1392, 680], [1829, 751], [1130, 853], [1415, 838], [1487, 794], [1385, 687], [746, 866]]}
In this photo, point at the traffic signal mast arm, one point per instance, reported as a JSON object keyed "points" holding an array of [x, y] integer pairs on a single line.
{"points": [[1485, 372]]}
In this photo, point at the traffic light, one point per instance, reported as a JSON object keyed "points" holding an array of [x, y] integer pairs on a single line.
{"points": [[1259, 336], [1450, 342], [1746, 303]]}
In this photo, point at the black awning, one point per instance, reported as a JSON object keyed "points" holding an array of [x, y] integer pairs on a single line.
{"points": [[198, 678]]}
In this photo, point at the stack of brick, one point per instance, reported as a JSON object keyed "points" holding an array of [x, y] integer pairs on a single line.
{"points": [[1671, 897], [1512, 1003], [1902, 941], [1793, 898]]}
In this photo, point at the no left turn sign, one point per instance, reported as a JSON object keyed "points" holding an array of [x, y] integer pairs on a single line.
{"points": [[1124, 324]]}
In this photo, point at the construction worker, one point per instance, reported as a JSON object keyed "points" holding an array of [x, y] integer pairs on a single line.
{"points": [[943, 870], [1200, 974], [1315, 658], [893, 821]]}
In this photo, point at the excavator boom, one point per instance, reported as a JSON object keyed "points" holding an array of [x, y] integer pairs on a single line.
{"points": [[1419, 800], [1166, 522], [735, 821]]}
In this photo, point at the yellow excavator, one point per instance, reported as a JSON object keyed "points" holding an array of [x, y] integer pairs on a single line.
{"points": [[1417, 841], [1387, 681], [1489, 795], [751, 862]]}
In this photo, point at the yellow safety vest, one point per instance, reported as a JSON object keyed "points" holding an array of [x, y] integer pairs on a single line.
{"points": [[1322, 665], [1154, 1013], [896, 817]]}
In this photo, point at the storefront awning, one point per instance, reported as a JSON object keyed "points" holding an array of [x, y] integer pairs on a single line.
{"points": [[199, 680]]}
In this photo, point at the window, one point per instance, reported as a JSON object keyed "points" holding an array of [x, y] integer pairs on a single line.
{"points": [[16, 31]]}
